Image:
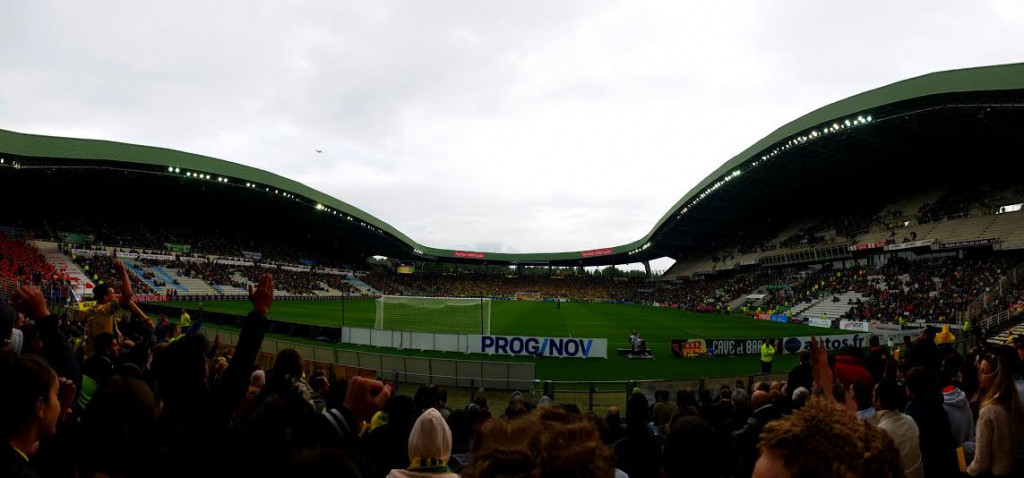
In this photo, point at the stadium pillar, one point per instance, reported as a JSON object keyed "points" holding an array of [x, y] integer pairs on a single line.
{"points": [[341, 330], [647, 268]]}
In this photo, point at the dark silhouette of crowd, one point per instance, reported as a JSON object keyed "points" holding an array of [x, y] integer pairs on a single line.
{"points": [[180, 405]]}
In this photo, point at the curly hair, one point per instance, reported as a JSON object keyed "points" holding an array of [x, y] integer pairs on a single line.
{"points": [[824, 440], [545, 443]]}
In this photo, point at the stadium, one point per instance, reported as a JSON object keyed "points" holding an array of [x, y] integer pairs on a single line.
{"points": [[878, 214]]}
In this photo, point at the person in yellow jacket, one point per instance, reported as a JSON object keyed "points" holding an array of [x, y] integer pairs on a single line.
{"points": [[767, 354], [945, 336]]}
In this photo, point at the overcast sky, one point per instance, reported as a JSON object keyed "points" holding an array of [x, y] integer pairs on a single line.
{"points": [[525, 126]]}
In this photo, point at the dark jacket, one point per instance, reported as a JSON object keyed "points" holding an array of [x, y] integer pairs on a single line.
{"points": [[938, 447], [800, 376]]}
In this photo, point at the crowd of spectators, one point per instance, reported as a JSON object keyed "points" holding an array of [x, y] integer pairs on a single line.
{"points": [[161, 403], [21, 262], [476, 284], [953, 205], [703, 293], [296, 282], [220, 243], [933, 289], [833, 227], [212, 273], [810, 286], [100, 269]]}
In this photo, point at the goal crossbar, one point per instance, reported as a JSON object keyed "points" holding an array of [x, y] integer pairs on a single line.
{"points": [[434, 314]]}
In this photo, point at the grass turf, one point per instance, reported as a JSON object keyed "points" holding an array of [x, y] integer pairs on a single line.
{"points": [[611, 321]]}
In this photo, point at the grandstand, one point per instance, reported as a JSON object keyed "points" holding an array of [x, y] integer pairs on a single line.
{"points": [[883, 232], [849, 213]]}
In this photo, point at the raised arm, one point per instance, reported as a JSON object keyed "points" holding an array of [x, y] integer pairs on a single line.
{"points": [[820, 370], [29, 300], [254, 327], [126, 284]]}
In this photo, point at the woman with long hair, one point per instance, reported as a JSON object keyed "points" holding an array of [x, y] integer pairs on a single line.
{"points": [[1000, 419], [29, 409]]}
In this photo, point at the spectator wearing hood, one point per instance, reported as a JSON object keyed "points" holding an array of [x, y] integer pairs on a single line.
{"points": [[430, 447], [958, 408]]}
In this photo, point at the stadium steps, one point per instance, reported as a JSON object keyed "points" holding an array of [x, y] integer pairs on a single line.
{"points": [[361, 286], [326, 290], [230, 289], [961, 229], [799, 309], [193, 285], [80, 281], [742, 299], [1008, 228], [167, 277], [1003, 337], [834, 309], [140, 272]]}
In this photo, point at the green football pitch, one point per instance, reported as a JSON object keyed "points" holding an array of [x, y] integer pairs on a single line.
{"points": [[611, 321]]}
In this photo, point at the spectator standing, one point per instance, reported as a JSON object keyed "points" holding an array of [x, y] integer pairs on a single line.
{"points": [[1000, 420], [889, 399], [768, 354], [800, 376], [184, 321], [101, 317]]}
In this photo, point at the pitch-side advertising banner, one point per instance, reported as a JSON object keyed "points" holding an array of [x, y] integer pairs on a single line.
{"points": [[733, 347], [909, 245], [730, 347], [137, 255], [825, 323], [832, 342], [885, 327], [538, 346], [855, 325], [688, 347]]}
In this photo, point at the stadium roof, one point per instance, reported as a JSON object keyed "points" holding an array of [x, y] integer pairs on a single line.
{"points": [[944, 129]]}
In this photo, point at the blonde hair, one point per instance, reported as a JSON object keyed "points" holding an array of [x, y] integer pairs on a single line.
{"points": [[546, 442], [1003, 391]]}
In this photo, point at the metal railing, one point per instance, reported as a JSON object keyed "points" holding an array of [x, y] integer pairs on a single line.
{"points": [[999, 319], [994, 293]]}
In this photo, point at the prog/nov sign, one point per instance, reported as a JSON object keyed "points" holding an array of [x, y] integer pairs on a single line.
{"points": [[538, 346]]}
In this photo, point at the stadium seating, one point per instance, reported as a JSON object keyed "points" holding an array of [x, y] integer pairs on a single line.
{"points": [[829, 306], [79, 280]]}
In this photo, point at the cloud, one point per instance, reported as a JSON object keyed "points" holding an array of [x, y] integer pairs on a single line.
{"points": [[518, 127]]}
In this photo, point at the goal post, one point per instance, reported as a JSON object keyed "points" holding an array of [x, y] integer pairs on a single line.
{"points": [[458, 315]]}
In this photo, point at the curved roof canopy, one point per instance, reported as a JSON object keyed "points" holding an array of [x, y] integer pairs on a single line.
{"points": [[915, 131]]}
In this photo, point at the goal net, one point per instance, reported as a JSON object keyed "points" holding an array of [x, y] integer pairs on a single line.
{"points": [[434, 314], [527, 296]]}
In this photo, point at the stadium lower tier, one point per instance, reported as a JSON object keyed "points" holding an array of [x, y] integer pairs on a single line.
{"points": [[321, 322]]}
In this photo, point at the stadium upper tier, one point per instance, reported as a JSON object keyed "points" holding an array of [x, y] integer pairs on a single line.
{"points": [[940, 130]]}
